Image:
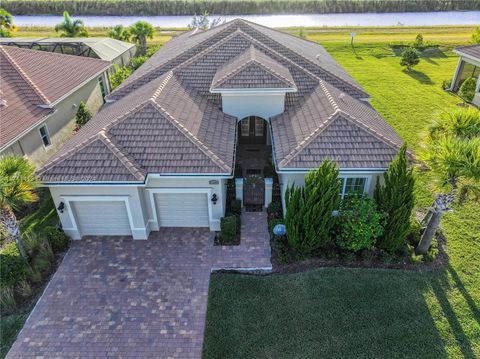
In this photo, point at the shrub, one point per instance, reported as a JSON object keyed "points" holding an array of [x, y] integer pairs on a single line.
{"points": [[275, 210], [360, 224], [446, 84], [228, 229], [118, 75], [309, 219], [396, 199], [467, 89], [418, 41], [119, 32], [24, 289], [14, 267], [83, 114], [58, 239], [7, 298], [236, 207], [138, 61], [152, 50], [414, 233], [410, 58]]}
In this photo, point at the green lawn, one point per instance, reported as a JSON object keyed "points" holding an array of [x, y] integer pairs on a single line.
{"points": [[361, 313]]}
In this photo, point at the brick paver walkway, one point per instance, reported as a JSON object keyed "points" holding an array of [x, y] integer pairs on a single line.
{"points": [[120, 298]]}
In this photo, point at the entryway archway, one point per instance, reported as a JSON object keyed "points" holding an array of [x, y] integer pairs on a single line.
{"points": [[252, 130]]}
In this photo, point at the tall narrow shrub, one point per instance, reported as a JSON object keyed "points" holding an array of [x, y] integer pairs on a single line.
{"points": [[83, 114], [395, 197], [309, 218]]}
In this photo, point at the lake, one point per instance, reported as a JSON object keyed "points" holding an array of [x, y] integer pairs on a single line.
{"points": [[363, 19]]}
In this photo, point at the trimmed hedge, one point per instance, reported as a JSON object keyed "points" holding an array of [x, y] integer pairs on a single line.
{"points": [[228, 229], [14, 267]]}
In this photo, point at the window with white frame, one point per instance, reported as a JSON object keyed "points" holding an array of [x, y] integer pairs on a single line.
{"points": [[45, 135], [245, 126], [352, 185]]}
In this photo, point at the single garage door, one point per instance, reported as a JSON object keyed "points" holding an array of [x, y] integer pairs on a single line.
{"points": [[102, 218], [182, 209]]}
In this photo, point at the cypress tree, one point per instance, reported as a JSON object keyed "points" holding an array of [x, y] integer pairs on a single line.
{"points": [[395, 197]]}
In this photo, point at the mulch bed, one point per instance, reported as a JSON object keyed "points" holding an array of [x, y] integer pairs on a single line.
{"points": [[218, 242]]}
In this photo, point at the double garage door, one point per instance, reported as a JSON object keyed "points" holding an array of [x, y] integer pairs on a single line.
{"points": [[110, 218]]}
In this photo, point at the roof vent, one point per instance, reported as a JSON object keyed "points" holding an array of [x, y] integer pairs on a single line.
{"points": [[342, 96], [3, 103], [318, 56]]}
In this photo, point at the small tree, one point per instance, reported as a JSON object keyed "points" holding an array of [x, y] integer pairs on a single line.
{"points": [[395, 197], [119, 32], [118, 75], [360, 223], [140, 31], [17, 187], [70, 27], [203, 22], [83, 115], [467, 90], [410, 58], [309, 218], [6, 23], [418, 42]]}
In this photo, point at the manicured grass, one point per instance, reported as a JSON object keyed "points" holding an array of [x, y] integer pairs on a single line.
{"points": [[361, 313]]}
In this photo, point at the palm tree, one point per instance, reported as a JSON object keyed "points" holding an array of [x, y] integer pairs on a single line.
{"points": [[452, 153], [140, 31], [6, 23], [119, 32], [17, 187], [70, 27]]}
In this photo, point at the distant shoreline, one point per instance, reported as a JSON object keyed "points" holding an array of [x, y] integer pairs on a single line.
{"points": [[230, 7]]}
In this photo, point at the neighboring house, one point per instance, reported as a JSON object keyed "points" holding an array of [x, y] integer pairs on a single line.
{"points": [[103, 48], [161, 152], [39, 97], [468, 66]]}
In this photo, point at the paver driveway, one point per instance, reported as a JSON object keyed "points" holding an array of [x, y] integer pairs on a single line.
{"points": [[116, 297]]}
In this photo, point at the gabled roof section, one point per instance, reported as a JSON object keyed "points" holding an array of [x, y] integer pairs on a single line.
{"points": [[150, 131], [333, 125], [469, 50], [253, 69]]}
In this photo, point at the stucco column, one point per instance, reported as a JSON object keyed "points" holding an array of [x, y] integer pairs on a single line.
{"points": [[239, 189], [268, 191]]}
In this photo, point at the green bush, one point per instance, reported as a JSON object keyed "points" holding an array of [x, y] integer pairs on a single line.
{"points": [[275, 210], [118, 75], [414, 233], [83, 114], [138, 61], [236, 207], [58, 239], [467, 90], [410, 57], [446, 84], [418, 44], [360, 224], [228, 229], [14, 267], [395, 198]]}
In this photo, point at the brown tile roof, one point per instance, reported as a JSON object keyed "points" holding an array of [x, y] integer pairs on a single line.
{"points": [[30, 79], [252, 69], [471, 50], [154, 132], [164, 119]]}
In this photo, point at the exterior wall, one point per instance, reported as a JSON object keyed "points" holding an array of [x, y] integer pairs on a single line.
{"points": [[60, 124], [287, 179], [173, 184], [253, 104], [134, 193]]}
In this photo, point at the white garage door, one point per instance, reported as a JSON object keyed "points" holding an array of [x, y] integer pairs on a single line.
{"points": [[182, 209], [102, 218]]}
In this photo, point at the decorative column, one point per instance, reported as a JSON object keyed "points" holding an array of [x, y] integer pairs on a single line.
{"points": [[239, 189], [268, 191]]}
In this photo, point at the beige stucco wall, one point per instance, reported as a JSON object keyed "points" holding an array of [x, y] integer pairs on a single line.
{"points": [[60, 124], [253, 104]]}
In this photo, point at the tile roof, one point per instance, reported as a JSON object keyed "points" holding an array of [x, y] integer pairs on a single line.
{"points": [[32, 81], [165, 119], [252, 69], [472, 50]]}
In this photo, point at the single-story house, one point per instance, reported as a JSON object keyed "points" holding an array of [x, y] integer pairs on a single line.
{"points": [[103, 48], [468, 66], [160, 153], [39, 97]]}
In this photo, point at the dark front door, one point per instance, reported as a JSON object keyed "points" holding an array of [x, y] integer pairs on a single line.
{"points": [[252, 130], [253, 193]]}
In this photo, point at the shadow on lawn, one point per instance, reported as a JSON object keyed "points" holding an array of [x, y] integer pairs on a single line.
{"points": [[419, 76]]}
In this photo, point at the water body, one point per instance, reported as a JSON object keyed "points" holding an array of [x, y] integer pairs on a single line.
{"points": [[363, 19]]}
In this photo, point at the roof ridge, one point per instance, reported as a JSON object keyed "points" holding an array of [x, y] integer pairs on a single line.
{"points": [[189, 135], [303, 57], [129, 163], [25, 76], [162, 86]]}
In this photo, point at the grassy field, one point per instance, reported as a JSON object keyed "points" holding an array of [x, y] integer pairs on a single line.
{"points": [[361, 313]]}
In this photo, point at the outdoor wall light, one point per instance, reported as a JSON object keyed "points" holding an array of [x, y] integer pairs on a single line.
{"points": [[61, 207], [214, 198]]}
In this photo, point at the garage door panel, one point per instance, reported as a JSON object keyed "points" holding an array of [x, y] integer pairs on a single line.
{"points": [[182, 209], [102, 218]]}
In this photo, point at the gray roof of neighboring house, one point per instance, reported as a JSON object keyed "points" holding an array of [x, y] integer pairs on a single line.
{"points": [[252, 70], [471, 50], [164, 118], [32, 81], [105, 48]]}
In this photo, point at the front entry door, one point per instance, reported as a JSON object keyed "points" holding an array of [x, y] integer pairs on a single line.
{"points": [[252, 130]]}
